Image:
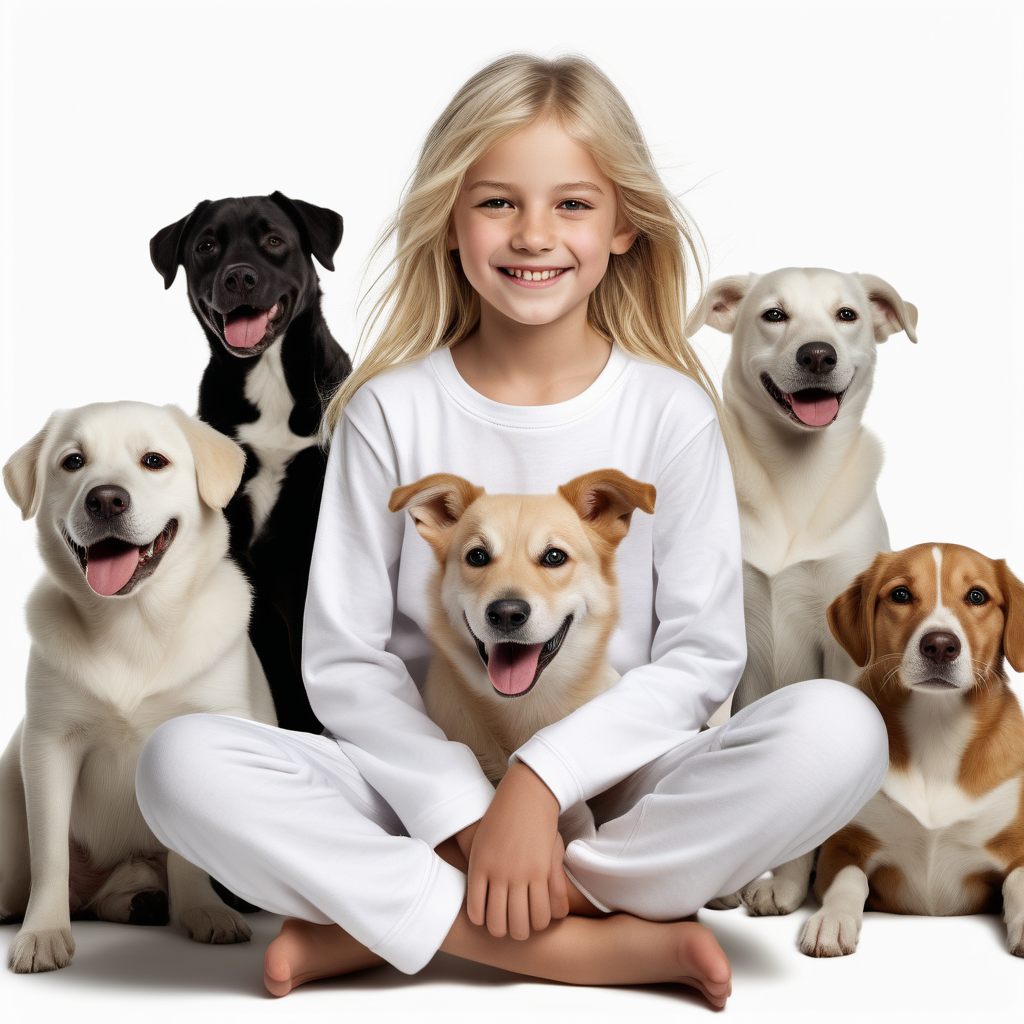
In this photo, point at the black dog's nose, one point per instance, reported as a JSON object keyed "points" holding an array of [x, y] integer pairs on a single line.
{"points": [[107, 501], [816, 357], [940, 647], [507, 615], [241, 278]]}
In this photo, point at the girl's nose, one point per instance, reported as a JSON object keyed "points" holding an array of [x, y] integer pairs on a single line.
{"points": [[533, 232]]}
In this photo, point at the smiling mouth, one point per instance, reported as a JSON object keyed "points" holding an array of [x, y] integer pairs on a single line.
{"points": [[113, 567], [247, 331], [811, 407], [523, 274], [514, 668]]}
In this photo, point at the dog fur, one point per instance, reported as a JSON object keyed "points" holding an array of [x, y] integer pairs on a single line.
{"points": [[249, 269], [945, 833], [107, 666]]}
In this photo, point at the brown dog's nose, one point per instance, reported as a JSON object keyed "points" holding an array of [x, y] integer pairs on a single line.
{"points": [[816, 357], [107, 501], [940, 647], [507, 615], [241, 278]]}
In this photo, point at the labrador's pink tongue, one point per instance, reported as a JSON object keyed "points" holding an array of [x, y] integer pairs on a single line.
{"points": [[817, 411], [246, 331], [512, 666], [110, 566]]}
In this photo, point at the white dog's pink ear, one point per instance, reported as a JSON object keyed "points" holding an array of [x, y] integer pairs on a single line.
{"points": [[24, 472], [436, 504], [889, 313], [606, 499], [722, 303], [219, 461]]}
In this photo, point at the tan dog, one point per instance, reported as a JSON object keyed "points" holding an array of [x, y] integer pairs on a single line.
{"points": [[523, 603], [945, 833]]}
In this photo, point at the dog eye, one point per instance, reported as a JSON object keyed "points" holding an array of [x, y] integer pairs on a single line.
{"points": [[846, 314], [73, 461], [553, 557], [774, 315], [205, 247], [153, 460], [901, 595], [478, 557], [274, 241], [976, 595]]}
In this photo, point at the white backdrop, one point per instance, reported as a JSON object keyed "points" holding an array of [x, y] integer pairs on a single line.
{"points": [[877, 137]]}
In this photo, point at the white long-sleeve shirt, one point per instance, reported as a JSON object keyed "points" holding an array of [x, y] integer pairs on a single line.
{"points": [[679, 645]]}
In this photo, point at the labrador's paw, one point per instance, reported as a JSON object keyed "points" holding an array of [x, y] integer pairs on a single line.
{"points": [[45, 950], [828, 933], [724, 902], [214, 923], [769, 897]]}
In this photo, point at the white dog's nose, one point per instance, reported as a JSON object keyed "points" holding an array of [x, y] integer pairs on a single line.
{"points": [[816, 357], [107, 501]]}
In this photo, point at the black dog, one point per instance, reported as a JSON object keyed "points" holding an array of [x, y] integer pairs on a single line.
{"points": [[252, 285]]}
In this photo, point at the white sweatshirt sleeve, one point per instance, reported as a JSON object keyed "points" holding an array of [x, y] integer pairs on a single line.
{"points": [[363, 694], [699, 646]]}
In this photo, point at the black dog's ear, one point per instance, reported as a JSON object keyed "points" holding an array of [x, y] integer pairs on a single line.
{"points": [[165, 246], [320, 228]]}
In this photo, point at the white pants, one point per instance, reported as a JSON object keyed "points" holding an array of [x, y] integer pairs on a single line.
{"points": [[285, 820]]}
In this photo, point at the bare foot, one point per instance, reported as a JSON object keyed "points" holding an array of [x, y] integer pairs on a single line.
{"points": [[305, 952]]}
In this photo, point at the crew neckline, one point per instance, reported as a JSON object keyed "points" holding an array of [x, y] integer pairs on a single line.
{"points": [[447, 373]]}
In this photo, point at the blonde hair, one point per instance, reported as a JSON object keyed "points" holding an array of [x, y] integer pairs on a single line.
{"points": [[640, 303]]}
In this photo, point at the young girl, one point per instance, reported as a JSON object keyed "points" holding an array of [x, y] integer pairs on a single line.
{"points": [[533, 331]]}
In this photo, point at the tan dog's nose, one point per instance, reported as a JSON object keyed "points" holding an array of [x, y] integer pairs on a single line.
{"points": [[507, 615], [107, 501], [940, 647]]}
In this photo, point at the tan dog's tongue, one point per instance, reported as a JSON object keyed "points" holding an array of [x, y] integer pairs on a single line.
{"points": [[816, 412], [512, 667], [246, 331], [110, 566]]}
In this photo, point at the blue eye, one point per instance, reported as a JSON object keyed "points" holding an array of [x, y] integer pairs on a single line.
{"points": [[574, 205]]}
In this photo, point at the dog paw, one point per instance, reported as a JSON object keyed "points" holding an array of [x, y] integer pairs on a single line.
{"points": [[214, 923], [769, 897], [827, 933], [149, 907], [46, 950], [724, 902], [1015, 936]]}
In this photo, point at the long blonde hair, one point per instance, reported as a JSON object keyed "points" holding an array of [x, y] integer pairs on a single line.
{"points": [[640, 304]]}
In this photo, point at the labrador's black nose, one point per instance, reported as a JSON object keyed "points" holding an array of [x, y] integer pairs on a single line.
{"points": [[107, 501], [816, 357], [940, 647], [241, 278], [507, 615]]}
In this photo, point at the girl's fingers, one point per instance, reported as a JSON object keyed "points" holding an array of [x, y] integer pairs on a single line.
{"points": [[518, 912], [540, 907], [558, 892], [497, 910], [476, 895]]}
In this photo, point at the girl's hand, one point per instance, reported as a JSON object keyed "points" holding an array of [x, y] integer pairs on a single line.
{"points": [[515, 864]]}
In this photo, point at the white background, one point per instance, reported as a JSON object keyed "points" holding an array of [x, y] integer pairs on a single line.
{"points": [[881, 138]]}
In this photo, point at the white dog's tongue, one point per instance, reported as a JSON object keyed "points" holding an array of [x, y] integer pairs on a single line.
{"points": [[110, 566], [817, 411], [512, 667], [245, 331]]}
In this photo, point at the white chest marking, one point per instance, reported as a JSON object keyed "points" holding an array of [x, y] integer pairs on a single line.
{"points": [[270, 436]]}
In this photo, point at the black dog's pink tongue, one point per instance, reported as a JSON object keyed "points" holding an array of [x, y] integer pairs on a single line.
{"points": [[110, 566], [243, 331], [815, 408], [512, 667]]}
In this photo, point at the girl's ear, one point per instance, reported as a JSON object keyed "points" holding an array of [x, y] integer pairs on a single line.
{"points": [[606, 499], [624, 237], [851, 616], [436, 504]]}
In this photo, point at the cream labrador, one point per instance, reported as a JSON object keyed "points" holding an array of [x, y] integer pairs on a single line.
{"points": [[141, 617]]}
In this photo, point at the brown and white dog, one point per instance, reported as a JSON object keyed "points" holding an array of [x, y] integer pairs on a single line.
{"points": [[523, 603], [945, 833]]}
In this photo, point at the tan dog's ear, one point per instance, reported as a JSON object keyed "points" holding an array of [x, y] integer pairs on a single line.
{"points": [[851, 616], [436, 503], [889, 313], [1013, 630], [219, 461], [722, 302], [605, 499], [23, 473]]}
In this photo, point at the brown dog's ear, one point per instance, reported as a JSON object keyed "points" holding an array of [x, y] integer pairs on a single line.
{"points": [[219, 461], [23, 473], [851, 616], [605, 500], [165, 247], [436, 503], [1013, 630], [722, 302], [889, 313]]}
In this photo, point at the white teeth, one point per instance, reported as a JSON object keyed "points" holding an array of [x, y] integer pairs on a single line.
{"points": [[518, 273], [535, 275]]}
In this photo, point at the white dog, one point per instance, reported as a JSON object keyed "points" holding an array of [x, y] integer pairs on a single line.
{"points": [[804, 345], [142, 617]]}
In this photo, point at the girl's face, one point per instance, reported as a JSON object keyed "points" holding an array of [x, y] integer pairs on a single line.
{"points": [[534, 224]]}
